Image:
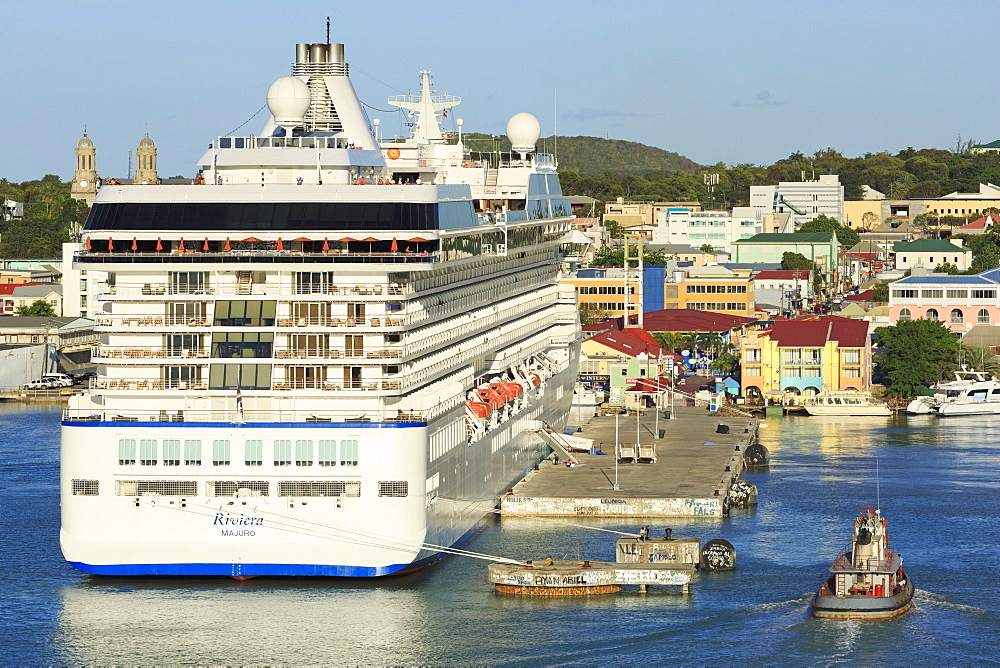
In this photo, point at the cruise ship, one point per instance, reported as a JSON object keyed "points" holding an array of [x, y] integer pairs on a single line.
{"points": [[327, 356]]}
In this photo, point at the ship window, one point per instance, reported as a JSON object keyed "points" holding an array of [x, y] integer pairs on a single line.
{"points": [[397, 488], [327, 453], [243, 376], [126, 451], [348, 453], [86, 487], [242, 344], [147, 452], [220, 452], [171, 452], [319, 488], [282, 453], [245, 313], [313, 282], [188, 282], [192, 453], [303, 453], [254, 453], [237, 488], [156, 488]]}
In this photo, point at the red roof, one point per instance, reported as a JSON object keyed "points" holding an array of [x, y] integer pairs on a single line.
{"points": [[630, 342], [815, 331], [8, 289], [677, 320], [784, 275], [649, 385], [982, 223], [866, 296]]}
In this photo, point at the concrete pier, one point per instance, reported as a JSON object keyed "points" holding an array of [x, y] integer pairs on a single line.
{"points": [[696, 463], [585, 578]]}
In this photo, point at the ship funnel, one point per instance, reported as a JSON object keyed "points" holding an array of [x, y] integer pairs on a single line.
{"points": [[301, 53]]}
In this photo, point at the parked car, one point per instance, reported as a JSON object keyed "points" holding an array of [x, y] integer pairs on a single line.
{"points": [[84, 377], [41, 384], [61, 379]]}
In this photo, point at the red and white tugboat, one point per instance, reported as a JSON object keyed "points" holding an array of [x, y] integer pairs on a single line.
{"points": [[867, 581]]}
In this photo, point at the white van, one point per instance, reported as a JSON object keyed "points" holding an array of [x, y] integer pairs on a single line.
{"points": [[61, 379]]}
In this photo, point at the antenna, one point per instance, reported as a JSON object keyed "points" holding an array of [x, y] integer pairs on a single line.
{"points": [[327, 29], [878, 490], [555, 125]]}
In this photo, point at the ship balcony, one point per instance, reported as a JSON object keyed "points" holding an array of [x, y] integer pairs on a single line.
{"points": [[98, 414], [323, 321], [146, 321], [174, 291], [281, 384], [266, 257], [105, 354]]}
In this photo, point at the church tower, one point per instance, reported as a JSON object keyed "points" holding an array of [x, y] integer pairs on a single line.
{"points": [[145, 155], [85, 179]]}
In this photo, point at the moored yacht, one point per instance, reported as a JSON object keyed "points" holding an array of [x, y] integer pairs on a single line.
{"points": [[325, 356]]}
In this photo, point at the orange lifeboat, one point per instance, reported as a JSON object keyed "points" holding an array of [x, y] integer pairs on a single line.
{"points": [[504, 391], [535, 379], [512, 390], [491, 397], [479, 408]]}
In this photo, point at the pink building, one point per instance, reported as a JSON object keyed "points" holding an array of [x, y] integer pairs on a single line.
{"points": [[960, 302]]}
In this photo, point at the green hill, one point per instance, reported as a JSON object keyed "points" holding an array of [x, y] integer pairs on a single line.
{"points": [[593, 156]]}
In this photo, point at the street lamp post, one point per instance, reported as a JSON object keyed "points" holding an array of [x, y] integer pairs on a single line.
{"points": [[614, 485]]}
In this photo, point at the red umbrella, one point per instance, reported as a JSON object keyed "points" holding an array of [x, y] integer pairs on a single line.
{"points": [[418, 239], [111, 244], [227, 247], [251, 239], [181, 247], [302, 239], [281, 246], [204, 246], [88, 243], [394, 247], [135, 244], [326, 244], [347, 239], [159, 244], [370, 241]]}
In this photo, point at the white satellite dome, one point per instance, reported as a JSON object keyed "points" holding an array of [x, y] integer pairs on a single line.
{"points": [[288, 101], [523, 131]]}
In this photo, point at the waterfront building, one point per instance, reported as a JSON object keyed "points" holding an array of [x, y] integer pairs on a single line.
{"points": [[804, 200], [69, 340], [11, 210], [807, 356], [730, 328], [621, 356], [820, 247], [960, 302], [85, 178], [992, 147], [930, 253], [601, 291]]}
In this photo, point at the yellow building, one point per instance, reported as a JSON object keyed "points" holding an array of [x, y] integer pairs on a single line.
{"points": [[807, 356], [863, 214], [601, 292], [642, 214], [710, 288]]}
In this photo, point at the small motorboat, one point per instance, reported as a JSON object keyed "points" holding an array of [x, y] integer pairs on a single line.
{"points": [[845, 403], [867, 581]]}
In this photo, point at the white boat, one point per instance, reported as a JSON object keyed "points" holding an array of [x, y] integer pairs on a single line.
{"points": [[845, 403], [949, 391], [324, 357]]}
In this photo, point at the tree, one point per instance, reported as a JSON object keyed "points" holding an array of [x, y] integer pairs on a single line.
{"points": [[790, 260], [881, 291], [947, 268], [707, 248], [670, 341], [914, 354], [845, 235], [38, 308], [980, 358], [726, 363], [614, 229]]}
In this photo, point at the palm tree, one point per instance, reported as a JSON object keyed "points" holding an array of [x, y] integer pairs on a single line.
{"points": [[980, 358], [670, 341]]}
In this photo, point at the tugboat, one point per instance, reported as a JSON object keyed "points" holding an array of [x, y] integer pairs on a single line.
{"points": [[867, 581]]}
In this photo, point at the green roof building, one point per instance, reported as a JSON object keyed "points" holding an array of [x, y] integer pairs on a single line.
{"points": [[930, 253], [820, 247]]}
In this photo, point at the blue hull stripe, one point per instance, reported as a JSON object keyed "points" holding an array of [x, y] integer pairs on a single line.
{"points": [[252, 425], [245, 570]]}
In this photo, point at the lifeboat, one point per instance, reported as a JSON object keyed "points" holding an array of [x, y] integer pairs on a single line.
{"points": [[512, 390], [506, 391], [479, 409], [491, 397], [535, 379]]}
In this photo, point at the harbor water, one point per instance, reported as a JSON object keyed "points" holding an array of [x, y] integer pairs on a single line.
{"points": [[940, 490]]}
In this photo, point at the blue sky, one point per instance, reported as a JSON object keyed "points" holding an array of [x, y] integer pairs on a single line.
{"points": [[714, 81]]}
